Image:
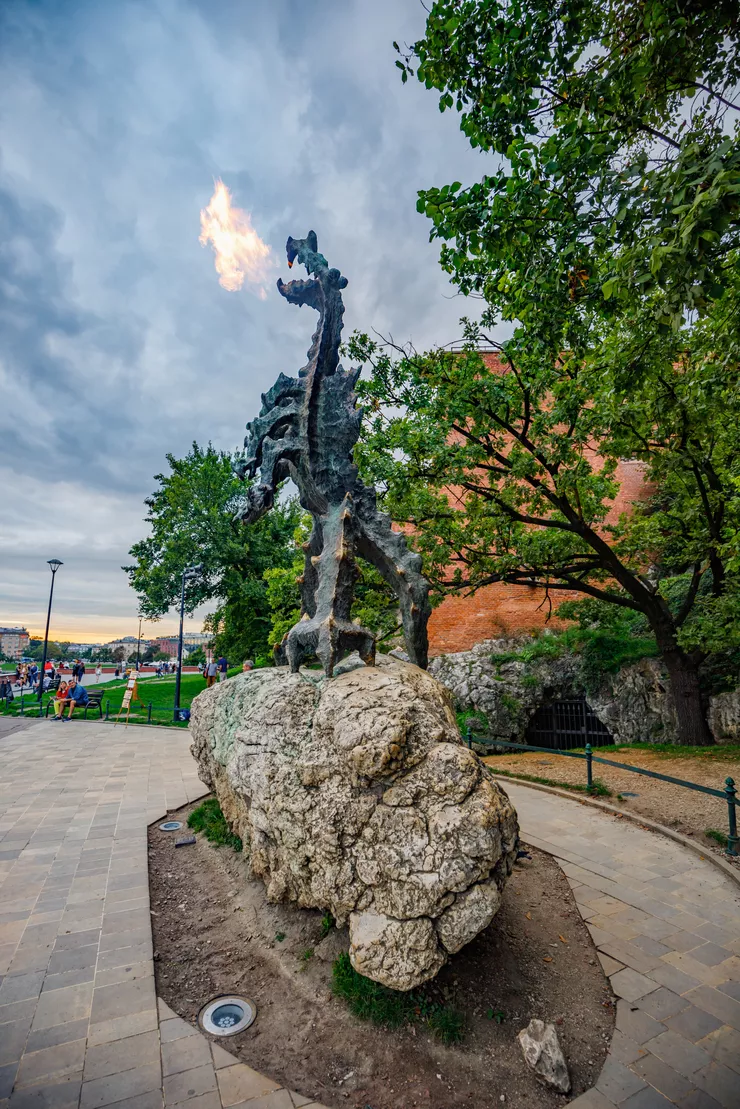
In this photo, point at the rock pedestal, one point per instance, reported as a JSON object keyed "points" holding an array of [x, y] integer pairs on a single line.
{"points": [[357, 796]]}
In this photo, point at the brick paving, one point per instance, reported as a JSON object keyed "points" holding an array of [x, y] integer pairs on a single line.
{"points": [[666, 925], [81, 1026]]}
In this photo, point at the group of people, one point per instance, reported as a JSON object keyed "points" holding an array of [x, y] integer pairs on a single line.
{"points": [[218, 668], [28, 674]]}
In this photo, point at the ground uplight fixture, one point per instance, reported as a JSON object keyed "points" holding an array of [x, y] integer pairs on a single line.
{"points": [[171, 826], [225, 1016]]}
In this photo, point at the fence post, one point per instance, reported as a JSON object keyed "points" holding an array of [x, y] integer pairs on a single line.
{"points": [[468, 736], [589, 772], [730, 793], [22, 709], [107, 707], [149, 713]]}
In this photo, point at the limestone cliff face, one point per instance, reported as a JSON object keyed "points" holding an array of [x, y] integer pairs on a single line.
{"points": [[634, 703], [356, 795]]}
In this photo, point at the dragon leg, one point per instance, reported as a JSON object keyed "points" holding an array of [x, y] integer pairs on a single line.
{"points": [[329, 633], [386, 549]]}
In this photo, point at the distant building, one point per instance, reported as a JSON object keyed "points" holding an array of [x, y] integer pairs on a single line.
{"points": [[167, 644], [14, 642]]}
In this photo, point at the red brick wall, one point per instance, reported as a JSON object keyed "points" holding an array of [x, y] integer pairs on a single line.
{"points": [[499, 610]]}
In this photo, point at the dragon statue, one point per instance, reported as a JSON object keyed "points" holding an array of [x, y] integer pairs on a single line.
{"points": [[306, 430]]}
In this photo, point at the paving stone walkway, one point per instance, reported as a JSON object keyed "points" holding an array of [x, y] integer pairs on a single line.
{"points": [[666, 925], [80, 1024]]}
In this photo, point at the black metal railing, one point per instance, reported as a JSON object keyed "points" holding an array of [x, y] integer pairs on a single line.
{"points": [[728, 794]]}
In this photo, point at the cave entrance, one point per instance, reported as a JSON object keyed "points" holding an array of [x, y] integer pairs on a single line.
{"points": [[562, 725]]}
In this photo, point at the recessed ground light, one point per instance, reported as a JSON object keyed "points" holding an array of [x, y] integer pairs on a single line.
{"points": [[171, 826], [227, 1015], [625, 793]]}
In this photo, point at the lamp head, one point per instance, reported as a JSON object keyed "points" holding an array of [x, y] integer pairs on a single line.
{"points": [[54, 563]]}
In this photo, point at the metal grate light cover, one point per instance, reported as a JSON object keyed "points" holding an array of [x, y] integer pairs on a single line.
{"points": [[225, 1016], [171, 826]]}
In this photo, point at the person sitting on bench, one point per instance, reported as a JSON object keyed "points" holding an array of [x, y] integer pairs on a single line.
{"points": [[61, 700], [77, 695]]}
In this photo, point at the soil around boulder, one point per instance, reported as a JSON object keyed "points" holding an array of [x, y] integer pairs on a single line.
{"points": [[216, 933]]}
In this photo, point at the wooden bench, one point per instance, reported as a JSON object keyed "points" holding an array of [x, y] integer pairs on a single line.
{"points": [[95, 701]]}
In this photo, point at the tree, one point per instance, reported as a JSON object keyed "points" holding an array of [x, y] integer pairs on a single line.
{"points": [[191, 516], [618, 160], [606, 233], [118, 654], [196, 656]]}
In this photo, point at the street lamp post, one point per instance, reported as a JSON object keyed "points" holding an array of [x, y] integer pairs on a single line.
{"points": [[54, 565], [138, 645], [188, 572]]}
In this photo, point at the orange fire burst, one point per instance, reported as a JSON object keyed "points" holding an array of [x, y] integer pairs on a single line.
{"points": [[240, 253]]}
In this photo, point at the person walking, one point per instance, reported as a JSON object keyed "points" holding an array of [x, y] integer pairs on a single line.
{"points": [[98, 672], [223, 666], [211, 672]]}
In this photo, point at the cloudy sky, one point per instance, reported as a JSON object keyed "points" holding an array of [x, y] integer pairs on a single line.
{"points": [[117, 344]]}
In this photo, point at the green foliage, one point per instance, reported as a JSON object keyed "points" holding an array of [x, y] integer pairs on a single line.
{"points": [[718, 837], [307, 955], [613, 152], [279, 937], [477, 722], [496, 1014], [191, 518], [725, 752], [327, 924], [605, 232], [447, 1024], [209, 820], [368, 1000]]}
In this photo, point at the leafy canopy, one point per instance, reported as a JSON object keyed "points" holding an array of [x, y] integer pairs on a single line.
{"points": [[618, 176], [191, 517]]}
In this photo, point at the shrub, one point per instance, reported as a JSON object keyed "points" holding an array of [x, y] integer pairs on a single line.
{"points": [[369, 1000], [209, 820]]}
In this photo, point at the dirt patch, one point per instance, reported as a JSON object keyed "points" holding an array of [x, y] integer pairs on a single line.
{"points": [[215, 933], [674, 806]]}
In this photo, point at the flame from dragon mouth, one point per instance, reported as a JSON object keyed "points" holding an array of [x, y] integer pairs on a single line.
{"points": [[240, 252]]}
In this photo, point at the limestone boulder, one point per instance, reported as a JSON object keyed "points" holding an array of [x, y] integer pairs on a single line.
{"points": [[542, 1052], [357, 796]]}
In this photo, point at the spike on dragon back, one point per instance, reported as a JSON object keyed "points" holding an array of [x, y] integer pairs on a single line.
{"points": [[306, 430]]}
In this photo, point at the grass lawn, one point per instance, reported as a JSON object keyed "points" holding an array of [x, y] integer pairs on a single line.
{"points": [[159, 692]]}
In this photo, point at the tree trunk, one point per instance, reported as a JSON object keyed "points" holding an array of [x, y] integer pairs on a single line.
{"points": [[692, 727]]}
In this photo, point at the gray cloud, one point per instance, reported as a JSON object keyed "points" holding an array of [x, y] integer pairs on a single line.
{"points": [[118, 344]]}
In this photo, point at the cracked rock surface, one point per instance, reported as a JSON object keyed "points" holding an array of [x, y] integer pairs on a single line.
{"points": [[357, 796]]}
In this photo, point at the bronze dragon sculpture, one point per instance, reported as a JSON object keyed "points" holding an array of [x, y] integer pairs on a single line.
{"points": [[306, 430]]}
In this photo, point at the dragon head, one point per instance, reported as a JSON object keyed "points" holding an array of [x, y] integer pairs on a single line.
{"points": [[301, 248]]}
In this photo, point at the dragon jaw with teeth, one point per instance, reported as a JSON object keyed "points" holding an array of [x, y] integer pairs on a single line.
{"points": [[306, 430]]}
